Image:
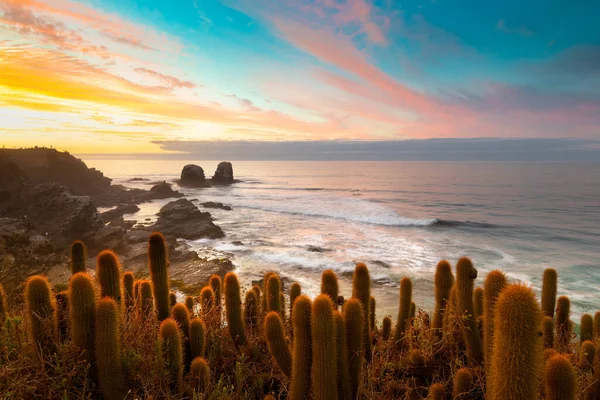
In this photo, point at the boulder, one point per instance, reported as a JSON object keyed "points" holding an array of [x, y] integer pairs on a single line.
{"points": [[182, 219], [118, 212], [192, 176], [159, 191], [224, 173], [214, 204]]}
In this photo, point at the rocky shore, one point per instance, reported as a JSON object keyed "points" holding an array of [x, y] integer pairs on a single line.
{"points": [[50, 198]]}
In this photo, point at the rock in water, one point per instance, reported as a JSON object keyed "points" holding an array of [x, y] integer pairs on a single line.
{"points": [[192, 175], [224, 172], [182, 219]]}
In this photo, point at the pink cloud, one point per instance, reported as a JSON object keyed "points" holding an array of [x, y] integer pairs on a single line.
{"points": [[171, 81]]}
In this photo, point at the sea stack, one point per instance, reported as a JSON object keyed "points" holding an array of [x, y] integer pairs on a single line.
{"points": [[192, 176], [224, 173]]}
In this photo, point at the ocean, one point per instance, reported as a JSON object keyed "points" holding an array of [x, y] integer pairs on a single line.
{"points": [[400, 218]]}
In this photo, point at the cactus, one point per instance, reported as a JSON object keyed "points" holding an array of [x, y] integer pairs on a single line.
{"points": [[329, 286], [592, 392], [465, 276], [180, 314], [361, 290], [3, 310], [295, 291], [158, 264], [41, 314], [387, 328], [549, 292], [478, 302], [437, 392], [171, 352], [257, 293], [450, 315], [78, 256], [596, 325], [189, 303], [586, 328], [197, 338], [444, 280], [82, 307], [302, 357], [250, 309], [108, 350], [343, 373], [548, 332], [172, 299], [128, 288], [403, 312], [463, 384], [233, 309], [517, 352], [108, 274], [563, 323], [415, 358], [136, 292], [587, 355], [216, 284], [372, 307], [272, 293], [207, 300], [493, 285], [265, 292], [354, 319], [560, 379], [200, 373], [146, 300], [62, 316], [324, 349], [277, 345], [282, 306]]}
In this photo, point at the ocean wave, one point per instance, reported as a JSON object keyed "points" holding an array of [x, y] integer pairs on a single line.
{"points": [[454, 224]]}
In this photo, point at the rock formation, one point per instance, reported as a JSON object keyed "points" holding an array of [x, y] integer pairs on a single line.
{"points": [[192, 176], [224, 173]]}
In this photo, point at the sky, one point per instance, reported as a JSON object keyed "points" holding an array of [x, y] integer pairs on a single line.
{"points": [[158, 76]]}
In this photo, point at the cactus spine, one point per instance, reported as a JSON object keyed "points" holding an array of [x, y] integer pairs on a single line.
{"points": [[108, 274], [181, 315], [477, 302], [302, 358], [361, 290], [158, 264], [549, 292], [233, 309], [108, 350], [560, 379], [517, 350], [41, 314], [197, 338], [586, 329], [403, 311], [463, 384], [465, 276], [277, 344], [251, 309], [387, 327], [171, 352], [329, 286], [563, 323], [354, 319], [128, 288], [78, 256], [200, 373], [493, 285], [82, 305], [324, 349], [343, 373], [272, 294], [436, 392], [587, 355], [548, 332]]}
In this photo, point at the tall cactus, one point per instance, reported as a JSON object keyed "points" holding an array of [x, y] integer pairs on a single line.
{"points": [[548, 332], [251, 309], [324, 349], [128, 289], [272, 294], [560, 379], [257, 293], [493, 285], [329, 286], [517, 351], [361, 290], [233, 309], [158, 264], [108, 350], [302, 357], [41, 314], [403, 311], [372, 308], [181, 315], [563, 323], [478, 302], [189, 303], [463, 384], [597, 325], [444, 280], [197, 338], [387, 328], [171, 352], [265, 291], [586, 328], [78, 256], [587, 355], [108, 274], [62, 316], [82, 307], [146, 299], [549, 292], [207, 300], [465, 277], [354, 319], [277, 344], [200, 373], [295, 291], [343, 372], [216, 284]]}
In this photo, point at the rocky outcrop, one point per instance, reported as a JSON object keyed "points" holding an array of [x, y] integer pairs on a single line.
{"points": [[182, 219], [224, 173], [117, 213], [214, 204], [192, 176]]}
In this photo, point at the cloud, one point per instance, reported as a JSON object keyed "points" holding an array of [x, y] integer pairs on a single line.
{"points": [[171, 81], [131, 41], [502, 26]]}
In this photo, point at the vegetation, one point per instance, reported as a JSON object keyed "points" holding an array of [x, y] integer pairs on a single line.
{"points": [[496, 342]]}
